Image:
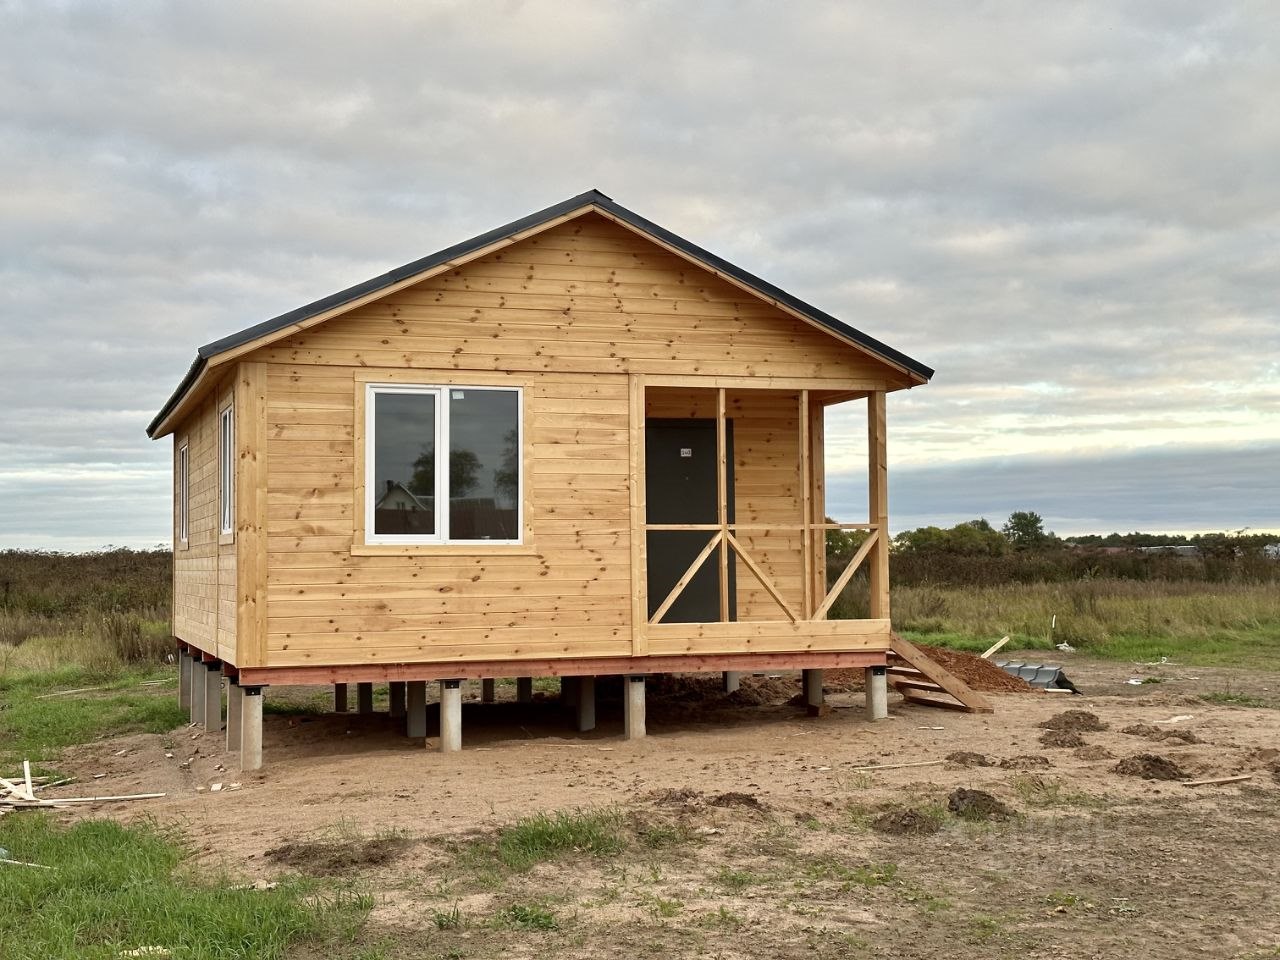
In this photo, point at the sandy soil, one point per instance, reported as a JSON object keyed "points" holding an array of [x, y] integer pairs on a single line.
{"points": [[1094, 863]]}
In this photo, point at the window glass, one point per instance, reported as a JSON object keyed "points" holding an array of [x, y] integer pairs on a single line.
{"points": [[404, 463], [184, 494], [226, 464], [484, 464]]}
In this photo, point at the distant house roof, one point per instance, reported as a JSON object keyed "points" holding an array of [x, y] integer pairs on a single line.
{"points": [[396, 487], [592, 199]]}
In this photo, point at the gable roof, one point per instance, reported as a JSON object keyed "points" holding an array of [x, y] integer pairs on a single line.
{"points": [[583, 203]]}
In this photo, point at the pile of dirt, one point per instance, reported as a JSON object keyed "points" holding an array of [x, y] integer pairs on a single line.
{"points": [[736, 799], [967, 758], [842, 680], [977, 805], [689, 797], [681, 691], [684, 797], [1152, 732], [1061, 738], [1151, 766], [908, 822], [1076, 721], [1027, 761], [333, 858], [1094, 751], [979, 674]]}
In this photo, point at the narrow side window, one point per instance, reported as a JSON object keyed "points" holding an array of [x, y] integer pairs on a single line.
{"points": [[226, 471], [183, 492]]}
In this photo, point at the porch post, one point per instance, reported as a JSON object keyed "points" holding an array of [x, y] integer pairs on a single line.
{"points": [[586, 704], [251, 729], [806, 510], [196, 711], [722, 501], [524, 689], [213, 697], [878, 496], [235, 694], [416, 709], [364, 697], [633, 707], [639, 536], [340, 698], [487, 690], [450, 716], [877, 684], [396, 691], [184, 680]]}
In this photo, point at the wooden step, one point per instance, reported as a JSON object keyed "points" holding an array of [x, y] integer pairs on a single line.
{"points": [[931, 702], [966, 698], [911, 672], [918, 685]]}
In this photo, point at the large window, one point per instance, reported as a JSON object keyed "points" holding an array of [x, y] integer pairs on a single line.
{"points": [[226, 471], [442, 464], [183, 493]]}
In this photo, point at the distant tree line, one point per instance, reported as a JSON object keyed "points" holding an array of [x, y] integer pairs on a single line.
{"points": [[1022, 551]]}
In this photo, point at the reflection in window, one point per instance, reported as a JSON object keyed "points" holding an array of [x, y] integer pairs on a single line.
{"points": [[483, 472], [479, 430], [404, 463]]}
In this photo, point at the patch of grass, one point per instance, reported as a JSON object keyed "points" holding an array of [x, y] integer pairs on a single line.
{"points": [[447, 919], [863, 875], [526, 917], [32, 728], [665, 908], [1228, 699], [542, 837], [723, 918], [736, 880], [115, 888], [1037, 792]]}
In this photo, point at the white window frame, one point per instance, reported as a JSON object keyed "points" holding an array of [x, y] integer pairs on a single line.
{"points": [[442, 394], [227, 470], [183, 523]]}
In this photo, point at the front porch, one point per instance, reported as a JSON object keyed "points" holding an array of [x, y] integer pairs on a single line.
{"points": [[729, 521]]}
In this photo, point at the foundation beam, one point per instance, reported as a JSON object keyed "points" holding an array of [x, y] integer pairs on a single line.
{"points": [[732, 679], [184, 680], [212, 698], [877, 684], [396, 691], [339, 698], [450, 716], [586, 704], [488, 693], [416, 710], [364, 697], [633, 707], [524, 689], [235, 718], [812, 687], [251, 729]]}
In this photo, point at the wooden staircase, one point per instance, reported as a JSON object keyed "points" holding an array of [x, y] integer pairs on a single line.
{"points": [[925, 682]]}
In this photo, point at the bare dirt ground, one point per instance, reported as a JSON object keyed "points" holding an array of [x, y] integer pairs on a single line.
{"points": [[750, 832]]}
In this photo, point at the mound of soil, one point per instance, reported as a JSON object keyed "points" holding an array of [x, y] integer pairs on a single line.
{"points": [[908, 822], [735, 799], [1152, 732], [1077, 721], [967, 758], [1061, 738], [977, 673], [1151, 766], [977, 805], [1094, 751], [1027, 761], [684, 797], [327, 859], [1275, 770]]}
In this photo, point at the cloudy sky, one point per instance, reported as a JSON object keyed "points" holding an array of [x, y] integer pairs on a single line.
{"points": [[1072, 211]]}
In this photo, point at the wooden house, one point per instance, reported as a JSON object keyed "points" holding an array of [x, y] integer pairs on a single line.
{"points": [[576, 445]]}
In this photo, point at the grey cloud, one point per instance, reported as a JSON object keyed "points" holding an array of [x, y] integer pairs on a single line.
{"points": [[1073, 216]]}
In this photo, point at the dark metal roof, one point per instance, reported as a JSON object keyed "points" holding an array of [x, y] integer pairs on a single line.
{"points": [[591, 197]]}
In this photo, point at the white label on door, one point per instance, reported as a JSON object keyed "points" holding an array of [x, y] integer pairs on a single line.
{"points": [[686, 451]]}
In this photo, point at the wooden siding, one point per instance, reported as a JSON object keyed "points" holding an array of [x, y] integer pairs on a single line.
{"points": [[204, 571], [566, 315]]}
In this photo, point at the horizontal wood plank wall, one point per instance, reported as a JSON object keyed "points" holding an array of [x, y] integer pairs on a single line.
{"points": [[766, 473], [566, 314], [204, 573], [566, 593]]}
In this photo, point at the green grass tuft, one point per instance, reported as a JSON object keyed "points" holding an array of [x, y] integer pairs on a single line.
{"points": [[115, 888]]}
